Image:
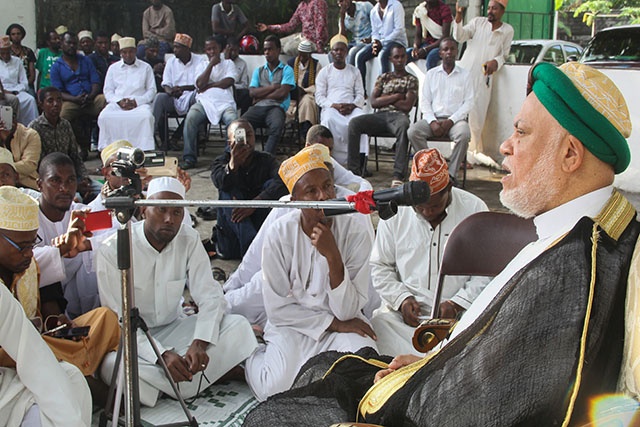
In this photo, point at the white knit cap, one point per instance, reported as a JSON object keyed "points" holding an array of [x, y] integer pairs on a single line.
{"points": [[165, 183]]}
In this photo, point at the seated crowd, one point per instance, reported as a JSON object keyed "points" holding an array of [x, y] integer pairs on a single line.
{"points": [[321, 308]]}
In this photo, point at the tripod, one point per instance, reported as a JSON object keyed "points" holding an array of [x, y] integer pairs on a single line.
{"points": [[131, 321]]}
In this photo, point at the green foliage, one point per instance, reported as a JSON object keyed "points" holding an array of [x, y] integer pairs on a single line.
{"points": [[591, 8]]}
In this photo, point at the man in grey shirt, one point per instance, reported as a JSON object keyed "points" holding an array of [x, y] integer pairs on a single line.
{"points": [[227, 19]]}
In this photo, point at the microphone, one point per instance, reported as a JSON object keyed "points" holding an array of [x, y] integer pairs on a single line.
{"points": [[387, 201]]}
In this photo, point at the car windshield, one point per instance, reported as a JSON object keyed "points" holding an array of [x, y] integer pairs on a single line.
{"points": [[614, 45], [523, 53]]}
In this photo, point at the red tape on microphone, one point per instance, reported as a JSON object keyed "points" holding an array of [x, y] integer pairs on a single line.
{"points": [[363, 200]]}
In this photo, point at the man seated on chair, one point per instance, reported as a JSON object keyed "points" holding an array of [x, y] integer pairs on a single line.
{"points": [[242, 173], [129, 89], [78, 81], [14, 81], [166, 257], [305, 71], [101, 57], [25, 146], [56, 135], [315, 281], [407, 254], [19, 272], [67, 280], [241, 84], [447, 98], [340, 94], [547, 335], [178, 81], [214, 101], [270, 89], [394, 95]]}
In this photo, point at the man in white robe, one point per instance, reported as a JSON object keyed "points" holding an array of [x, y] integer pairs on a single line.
{"points": [[167, 256], [214, 101], [488, 44], [129, 89], [407, 253], [243, 290], [64, 280], [178, 81], [340, 94], [40, 391], [14, 81], [316, 279]]}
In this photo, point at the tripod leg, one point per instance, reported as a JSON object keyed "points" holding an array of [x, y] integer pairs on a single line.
{"points": [[142, 325], [107, 413]]}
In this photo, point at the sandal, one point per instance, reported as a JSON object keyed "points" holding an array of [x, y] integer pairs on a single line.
{"points": [[219, 274]]}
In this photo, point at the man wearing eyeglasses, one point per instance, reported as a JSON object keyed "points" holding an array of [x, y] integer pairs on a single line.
{"points": [[19, 274]]}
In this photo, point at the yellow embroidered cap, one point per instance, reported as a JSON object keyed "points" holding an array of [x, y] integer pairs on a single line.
{"points": [[338, 38], [7, 157], [183, 39], [429, 166], [61, 29], [324, 152], [18, 211], [112, 149], [115, 37], [504, 3], [307, 159], [127, 42]]}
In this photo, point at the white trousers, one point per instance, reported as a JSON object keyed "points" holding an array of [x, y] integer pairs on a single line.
{"points": [[274, 366], [235, 343], [28, 108], [339, 127], [394, 336]]}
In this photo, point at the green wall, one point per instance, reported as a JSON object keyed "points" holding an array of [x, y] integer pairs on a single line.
{"points": [[531, 19]]}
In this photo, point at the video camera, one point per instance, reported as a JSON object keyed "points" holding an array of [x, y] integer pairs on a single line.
{"points": [[130, 159]]}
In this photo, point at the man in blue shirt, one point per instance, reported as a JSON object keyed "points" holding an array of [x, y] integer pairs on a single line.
{"points": [[79, 82], [270, 87]]}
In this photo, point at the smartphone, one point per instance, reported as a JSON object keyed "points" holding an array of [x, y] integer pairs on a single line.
{"points": [[6, 116], [170, 168], [240, 136], [100, 220], [72, 333]]}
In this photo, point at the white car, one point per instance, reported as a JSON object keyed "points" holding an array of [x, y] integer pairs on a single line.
{"points": [[528, 52]]}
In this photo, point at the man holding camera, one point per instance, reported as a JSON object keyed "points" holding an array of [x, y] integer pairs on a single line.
{"points": [[242, 173]]}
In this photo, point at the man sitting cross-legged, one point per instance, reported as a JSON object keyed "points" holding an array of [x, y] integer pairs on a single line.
{"points": [[407, 254], [129, 89], [214, 102], [167, 256], [340, 94], [447, 98], [394, 95], [38, 391], [316, 279]]}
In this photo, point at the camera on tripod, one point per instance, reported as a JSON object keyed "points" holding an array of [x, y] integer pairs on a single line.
{"points": [[128, 161]]}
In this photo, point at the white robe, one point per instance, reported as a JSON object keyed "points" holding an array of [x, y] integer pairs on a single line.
{"points": [[136, 82], [216, 100], [334, 86], [243, 290], [159, 281], [300, 303], [14, 78], [405, 262], [176, 73], [58, 389], [483, 45], [77, 276]]}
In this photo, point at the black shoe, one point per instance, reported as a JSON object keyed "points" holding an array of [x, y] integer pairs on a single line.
{"points": [[208, 213], [187, 164]]}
